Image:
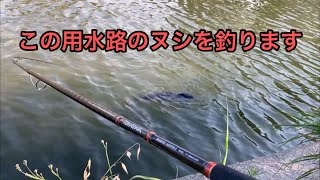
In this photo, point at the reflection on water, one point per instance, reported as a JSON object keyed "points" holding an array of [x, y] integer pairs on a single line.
{"points": [[265, 89]]}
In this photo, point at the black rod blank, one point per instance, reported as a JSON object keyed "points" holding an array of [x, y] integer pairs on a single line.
{"points": [[211, 170]]}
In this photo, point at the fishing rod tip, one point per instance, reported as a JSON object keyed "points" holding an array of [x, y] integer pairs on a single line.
{"points": [[15, 59]]}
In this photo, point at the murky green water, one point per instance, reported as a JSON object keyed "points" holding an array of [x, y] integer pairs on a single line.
{"points": [[264, 89]]}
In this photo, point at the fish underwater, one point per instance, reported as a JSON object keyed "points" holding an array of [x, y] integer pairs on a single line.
{"points": [[169, 97]]}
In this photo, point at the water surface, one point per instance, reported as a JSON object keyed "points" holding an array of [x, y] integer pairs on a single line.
{"points": [[264, 89]]}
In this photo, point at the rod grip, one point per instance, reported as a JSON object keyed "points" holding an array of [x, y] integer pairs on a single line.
{"points": [[221, 172]]}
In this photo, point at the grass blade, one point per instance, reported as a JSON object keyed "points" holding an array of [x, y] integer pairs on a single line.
{"points": [[227, 136]]}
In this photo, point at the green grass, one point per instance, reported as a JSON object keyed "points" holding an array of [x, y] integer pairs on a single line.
{"points": [[253, 172], [309, 127], [227, 137]]}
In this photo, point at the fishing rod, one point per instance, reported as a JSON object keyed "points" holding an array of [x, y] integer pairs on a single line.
{"points": [[212, 170]]}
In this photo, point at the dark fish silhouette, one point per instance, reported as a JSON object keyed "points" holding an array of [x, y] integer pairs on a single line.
{"points": [[169, 96]]}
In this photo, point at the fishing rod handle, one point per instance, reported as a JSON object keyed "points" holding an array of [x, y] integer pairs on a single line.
{"points": [[211, 170], [221, 172]]}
